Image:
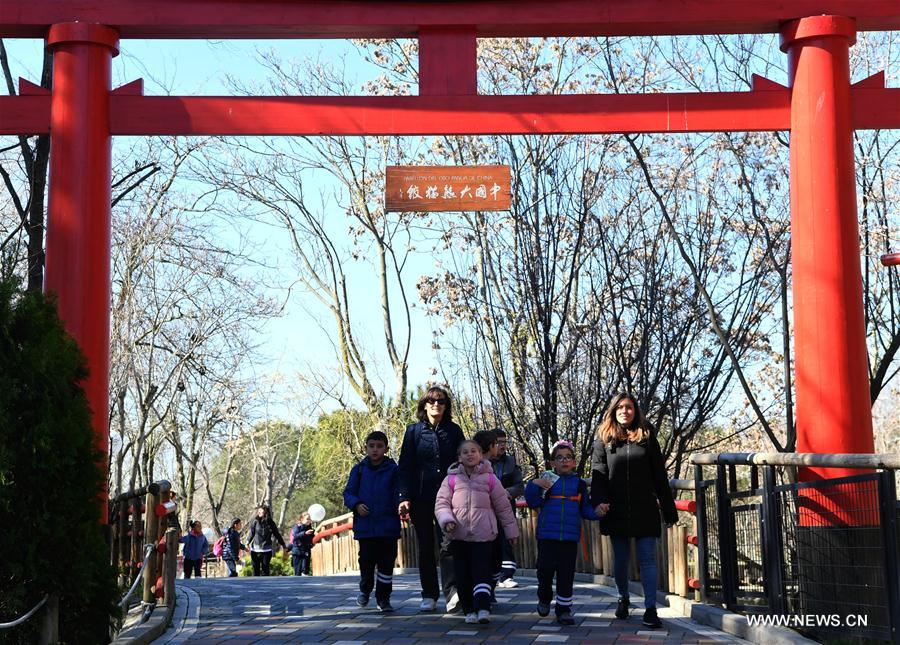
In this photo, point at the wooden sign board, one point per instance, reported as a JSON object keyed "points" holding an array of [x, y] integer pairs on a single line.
{"points": [[447, 188]]}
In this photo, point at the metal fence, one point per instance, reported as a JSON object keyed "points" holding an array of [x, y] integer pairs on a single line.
{"points": [[822, 554]]}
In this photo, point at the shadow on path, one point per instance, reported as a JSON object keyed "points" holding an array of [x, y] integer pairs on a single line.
{"points": [[323, 610]]}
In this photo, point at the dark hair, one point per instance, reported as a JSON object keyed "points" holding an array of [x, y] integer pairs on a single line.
{"points": [[429, 393], [236, 520], [485, 439], [377, 435], [562, 445], [500, 432], [193, 523], [611, 430]]}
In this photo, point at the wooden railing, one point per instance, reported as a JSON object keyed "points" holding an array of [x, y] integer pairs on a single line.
{"points": [[336, 550], [147, 546]]}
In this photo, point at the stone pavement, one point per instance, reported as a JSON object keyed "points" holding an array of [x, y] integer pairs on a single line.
{"points": [[323, 610]]}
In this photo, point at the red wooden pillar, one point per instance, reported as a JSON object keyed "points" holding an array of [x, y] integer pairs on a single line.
{"points": [[78, 219], [448, 62], [834, 413]]}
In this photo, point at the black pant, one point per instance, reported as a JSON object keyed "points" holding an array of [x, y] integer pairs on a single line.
{"points": [[380, 553], [300, 562], [471, 563], [261, 561], [556, 557], [191, 566], [427, 529], [504, 558], [232, 567]]}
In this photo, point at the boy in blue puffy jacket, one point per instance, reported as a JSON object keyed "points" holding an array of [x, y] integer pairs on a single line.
{"points": [[564, 500], [371, 493]]}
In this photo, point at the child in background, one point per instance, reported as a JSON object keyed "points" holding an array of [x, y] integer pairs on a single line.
{"points": [[195, 547], [371, 493], [232, 547], [302, 535], [510, 475], [469, 504], [563, 502]]}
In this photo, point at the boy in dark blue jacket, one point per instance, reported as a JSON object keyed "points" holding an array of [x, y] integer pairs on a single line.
{"points": [[564, 499], [371, 494], [302, 536]]}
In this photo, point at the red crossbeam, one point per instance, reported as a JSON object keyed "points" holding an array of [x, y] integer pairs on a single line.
{"points": [[395, 19], [415, 115]]}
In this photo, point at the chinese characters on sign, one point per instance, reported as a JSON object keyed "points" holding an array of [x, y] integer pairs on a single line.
{"points": [[447, 188]]}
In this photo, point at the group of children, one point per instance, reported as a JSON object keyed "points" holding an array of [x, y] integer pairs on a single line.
{"points": [[477, 513], [261, 542]]}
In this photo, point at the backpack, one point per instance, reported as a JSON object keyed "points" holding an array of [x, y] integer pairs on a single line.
{"points": [[219, 547]]}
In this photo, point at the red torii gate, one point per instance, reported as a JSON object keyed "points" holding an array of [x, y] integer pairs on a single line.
{"points": [[821, 109]]}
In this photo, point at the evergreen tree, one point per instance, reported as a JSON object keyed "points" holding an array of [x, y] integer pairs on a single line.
{"points": [[50, 477]]}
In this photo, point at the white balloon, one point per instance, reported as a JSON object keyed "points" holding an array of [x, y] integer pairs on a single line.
{"points": [[210, 534], [316, 512]]}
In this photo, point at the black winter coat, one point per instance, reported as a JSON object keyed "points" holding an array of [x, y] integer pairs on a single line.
{"points": [[261, 534], [631, 478], [232, 546], [301, 543], [425, 456]]}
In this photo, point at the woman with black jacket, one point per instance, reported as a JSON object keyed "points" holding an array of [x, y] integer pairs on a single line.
{"points": [[429, 448], [262, 530], [629, 488]]}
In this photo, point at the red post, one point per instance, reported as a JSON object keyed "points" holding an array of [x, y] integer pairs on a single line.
{"points": [[78, 219], [447, 61], [834, 413]]}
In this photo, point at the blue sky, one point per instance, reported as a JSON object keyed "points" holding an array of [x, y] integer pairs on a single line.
{"points": [[301, 336]]}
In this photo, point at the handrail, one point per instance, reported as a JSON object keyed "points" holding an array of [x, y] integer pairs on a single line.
{"points": [[162, 486], [148, 549], [336, 530], [821, 460], [22, 619]]}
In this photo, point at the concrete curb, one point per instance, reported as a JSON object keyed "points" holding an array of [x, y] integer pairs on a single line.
{"points": [[144, 633], [185, 620]]}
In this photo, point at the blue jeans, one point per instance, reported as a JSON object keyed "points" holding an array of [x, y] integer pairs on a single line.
{"points": [[646, 556]]}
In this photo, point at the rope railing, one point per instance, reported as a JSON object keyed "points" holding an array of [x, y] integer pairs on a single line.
{"points": [[137, 578], [22, 619], [149, 520]]}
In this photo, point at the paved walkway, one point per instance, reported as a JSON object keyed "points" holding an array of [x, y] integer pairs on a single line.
{"points": [[323, 610]]}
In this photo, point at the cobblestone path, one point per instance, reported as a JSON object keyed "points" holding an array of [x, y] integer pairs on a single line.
{"points": [[323, 610]]}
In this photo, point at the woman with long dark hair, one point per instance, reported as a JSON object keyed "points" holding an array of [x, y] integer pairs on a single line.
{"points": [[260, 541], [429, 448], [629, 488]]}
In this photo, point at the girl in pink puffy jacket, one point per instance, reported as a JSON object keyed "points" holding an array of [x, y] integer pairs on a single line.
{"points": [[469, 504]]}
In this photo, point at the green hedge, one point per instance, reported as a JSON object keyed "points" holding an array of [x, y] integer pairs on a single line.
{"points": [[51, 539], [279, 566]]}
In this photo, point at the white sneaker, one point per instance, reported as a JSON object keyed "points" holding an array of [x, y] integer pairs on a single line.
{"points": [[428, 604], [472, 618], [452, 602], [484, 616], [509, 583]]}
